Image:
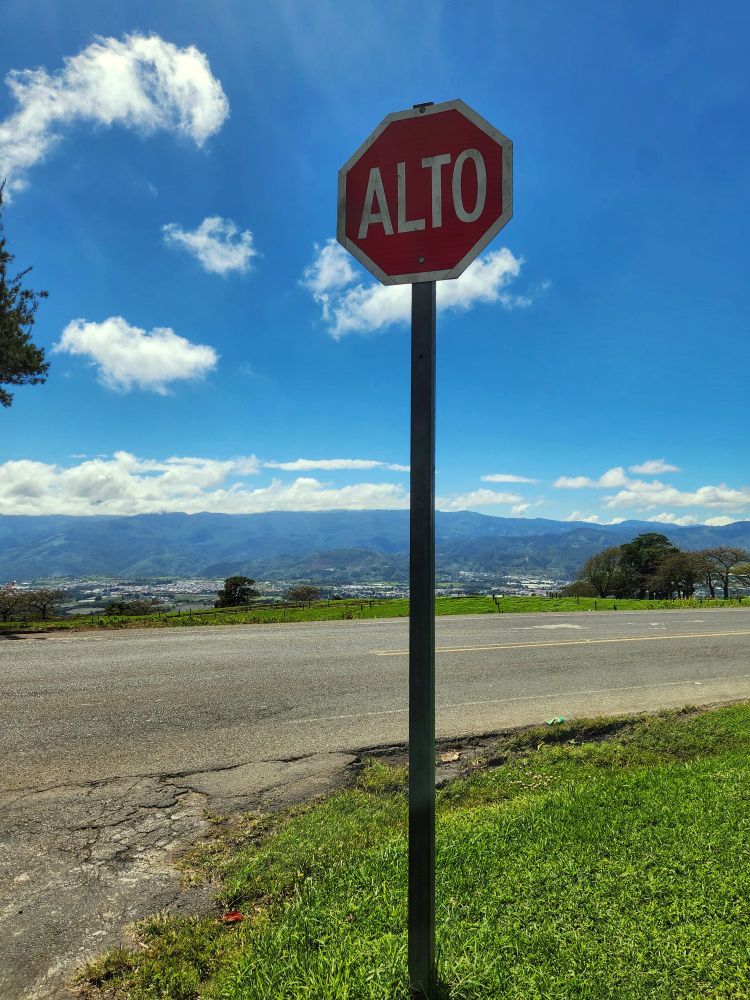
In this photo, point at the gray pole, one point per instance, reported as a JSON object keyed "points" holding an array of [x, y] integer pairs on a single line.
{"points": [[421, 919]]}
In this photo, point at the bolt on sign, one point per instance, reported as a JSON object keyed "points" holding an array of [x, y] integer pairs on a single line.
{"points": [[418, 201], [425, 193]]}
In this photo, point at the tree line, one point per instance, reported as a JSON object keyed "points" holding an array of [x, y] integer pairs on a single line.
{"points": [[653, 567], [239, 590], [17, 604]]}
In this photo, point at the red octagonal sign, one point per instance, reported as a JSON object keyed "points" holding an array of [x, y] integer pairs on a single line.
{"points": [[425, 193]]}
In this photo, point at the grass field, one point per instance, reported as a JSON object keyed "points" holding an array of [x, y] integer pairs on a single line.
{"points": [[357, 609], [591, 860]]}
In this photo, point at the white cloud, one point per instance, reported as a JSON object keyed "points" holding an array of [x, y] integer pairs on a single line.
{"points": [[718, 522], [591, 518], [649, 495], [128, 357], [653, 467], [330, 271], [348, 307], [330, 464], [476, 498], [613, 477], [506, 477], [217, 244], [573, 482], [125, 484], [685, 520], [140, 82], [577, 515], [610, 478]]}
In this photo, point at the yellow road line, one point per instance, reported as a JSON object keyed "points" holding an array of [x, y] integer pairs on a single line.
{"points": [[567, 642]]}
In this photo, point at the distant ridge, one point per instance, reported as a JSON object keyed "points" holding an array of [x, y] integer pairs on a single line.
{"points": [[353, 546]]}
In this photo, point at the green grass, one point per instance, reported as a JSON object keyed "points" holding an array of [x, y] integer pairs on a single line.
{"points": [[600, 859], [359, 609]]}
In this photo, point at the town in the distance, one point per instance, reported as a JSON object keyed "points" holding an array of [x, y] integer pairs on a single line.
{"points": [[351, 556]]}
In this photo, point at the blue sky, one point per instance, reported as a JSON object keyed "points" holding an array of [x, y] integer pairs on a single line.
{"points": [[172, 178]]}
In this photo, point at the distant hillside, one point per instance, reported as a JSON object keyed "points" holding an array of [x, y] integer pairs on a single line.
{"points": [[340, 545]]}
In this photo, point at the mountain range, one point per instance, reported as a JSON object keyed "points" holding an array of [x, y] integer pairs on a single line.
{"points": [[336, 546]]}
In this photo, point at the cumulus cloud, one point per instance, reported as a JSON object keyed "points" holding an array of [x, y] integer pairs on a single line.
{"points": [[330, 271], [217, 244], [139, 82], [611, 478], [127, 357], [476, 498], [684, 521], [577, 515], [125, 484], [519, 509], [506, 477], [649, 495], [349, 306], [653, 467], [330, 464]]}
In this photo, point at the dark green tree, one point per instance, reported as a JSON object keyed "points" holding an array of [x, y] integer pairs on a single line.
{"points": [[303, 593], [21, 361], [601, 573], [578, 588], [641, 558], [677, 574], [236, 590]]}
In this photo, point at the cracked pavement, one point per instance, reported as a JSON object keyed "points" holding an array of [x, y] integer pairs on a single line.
{"points": [[115, 745], [78, 862]]}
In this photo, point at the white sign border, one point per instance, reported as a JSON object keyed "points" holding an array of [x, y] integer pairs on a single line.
{"points": [[506, 146]]}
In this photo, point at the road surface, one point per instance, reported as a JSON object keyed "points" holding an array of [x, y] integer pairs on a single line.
{"points": [[114, 744]]}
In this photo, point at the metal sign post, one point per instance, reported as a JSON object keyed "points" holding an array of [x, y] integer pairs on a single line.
{"points": [[418, 201], [421, 918]]}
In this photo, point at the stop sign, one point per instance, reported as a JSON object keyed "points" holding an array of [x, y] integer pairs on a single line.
{"points": [[425, 193]]}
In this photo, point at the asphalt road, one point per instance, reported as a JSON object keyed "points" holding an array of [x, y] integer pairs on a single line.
{"points": [[113, 745]]}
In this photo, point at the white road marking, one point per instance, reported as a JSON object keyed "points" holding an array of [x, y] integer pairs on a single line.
{"points": [[684, 621], [557, 696], [567, 642], [528, 628]]}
